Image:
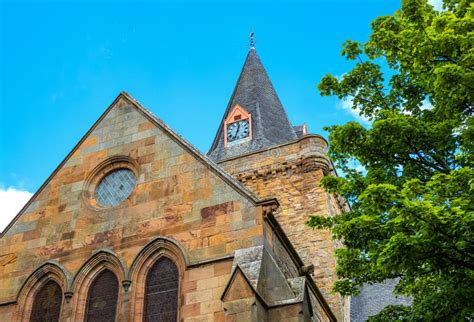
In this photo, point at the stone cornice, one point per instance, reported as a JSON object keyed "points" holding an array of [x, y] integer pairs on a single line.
{"points": [[308, 156], [304, 137], [296, 166]]}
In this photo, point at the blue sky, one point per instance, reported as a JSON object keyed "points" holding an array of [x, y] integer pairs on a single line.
{"points": [[63, 62]]}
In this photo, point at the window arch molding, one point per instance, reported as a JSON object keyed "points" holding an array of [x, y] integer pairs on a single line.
{"points": [[105, 167], [144, 261], [49, 271], [102, 260]]}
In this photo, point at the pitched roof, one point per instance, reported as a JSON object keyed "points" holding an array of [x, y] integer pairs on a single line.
{"points": [[374, 298], [300, 130], [270, 125], [213, 167]]}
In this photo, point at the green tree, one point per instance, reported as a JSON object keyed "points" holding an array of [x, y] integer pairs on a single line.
{"points": [[412, 210]]}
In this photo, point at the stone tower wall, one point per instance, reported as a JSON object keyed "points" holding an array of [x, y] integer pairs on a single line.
{"points": [[292, 174]]}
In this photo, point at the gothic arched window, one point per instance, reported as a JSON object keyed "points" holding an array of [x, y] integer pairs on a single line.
{"points": [[102, 298], [161, 292], [47, 303]]}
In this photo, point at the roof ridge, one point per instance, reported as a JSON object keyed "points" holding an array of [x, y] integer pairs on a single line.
{"points": [[219, 170], [158, 122]]}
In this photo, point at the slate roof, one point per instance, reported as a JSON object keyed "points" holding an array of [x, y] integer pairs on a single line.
{"points": [[270, 125], [373, 298], [299, 130]]}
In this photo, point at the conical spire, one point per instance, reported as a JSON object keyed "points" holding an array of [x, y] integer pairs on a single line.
{"points": [[255, 93]]}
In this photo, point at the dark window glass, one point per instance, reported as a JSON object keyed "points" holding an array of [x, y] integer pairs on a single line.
{"points": [[47, 303], [161, 292], [115, 187], [102, 298]]}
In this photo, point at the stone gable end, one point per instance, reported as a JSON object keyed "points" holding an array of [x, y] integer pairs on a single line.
{"points": [[176, 195]]}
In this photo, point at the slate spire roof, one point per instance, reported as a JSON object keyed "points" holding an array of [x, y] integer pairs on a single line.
{"points": [[255, 93]]}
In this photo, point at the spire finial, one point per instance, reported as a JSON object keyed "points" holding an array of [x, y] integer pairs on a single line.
{"points": [[252, 43]]}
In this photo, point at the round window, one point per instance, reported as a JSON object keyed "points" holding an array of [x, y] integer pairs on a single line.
{"points": [[115, 187]]}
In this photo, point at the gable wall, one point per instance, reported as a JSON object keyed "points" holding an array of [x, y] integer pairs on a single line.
{"points": [[176, 196]]}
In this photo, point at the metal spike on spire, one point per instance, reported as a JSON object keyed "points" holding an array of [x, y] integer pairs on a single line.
{"points": [[255, 93], [252, 42]]}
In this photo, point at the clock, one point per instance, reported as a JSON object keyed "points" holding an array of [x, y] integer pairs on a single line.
{"points": [[237, 131], [237, 126]]}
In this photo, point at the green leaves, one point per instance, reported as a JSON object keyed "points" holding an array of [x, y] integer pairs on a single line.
{"points": [[412, 210], [351, 49]]}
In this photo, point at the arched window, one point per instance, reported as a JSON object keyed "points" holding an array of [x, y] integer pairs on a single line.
{"points": [[102, 298], [47, 303], [161, 292]]}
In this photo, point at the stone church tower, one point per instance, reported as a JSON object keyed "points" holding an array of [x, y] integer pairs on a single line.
{"points": [[283, 161], [137, 225]]}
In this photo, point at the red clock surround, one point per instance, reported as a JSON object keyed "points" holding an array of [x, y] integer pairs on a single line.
{"points": [[238, 113]]}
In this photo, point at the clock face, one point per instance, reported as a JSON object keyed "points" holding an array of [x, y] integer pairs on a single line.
{"points": [[238, 130]]}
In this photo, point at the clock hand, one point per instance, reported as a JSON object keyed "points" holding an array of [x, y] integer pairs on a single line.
{"points": [[238, 127]]}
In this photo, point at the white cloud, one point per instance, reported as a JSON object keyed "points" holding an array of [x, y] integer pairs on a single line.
{"points": [[437, 4], [425, 105], [11, 202], [347, 105]]}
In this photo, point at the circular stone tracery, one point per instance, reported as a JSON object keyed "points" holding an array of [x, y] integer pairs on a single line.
{"points": [[111, 183], [115, 187]]}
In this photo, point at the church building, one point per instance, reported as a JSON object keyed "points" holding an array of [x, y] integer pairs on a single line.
{"points": [[136, 224]]}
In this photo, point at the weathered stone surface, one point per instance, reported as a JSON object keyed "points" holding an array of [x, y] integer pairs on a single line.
{"points": [[292, 173], [199, 216]]}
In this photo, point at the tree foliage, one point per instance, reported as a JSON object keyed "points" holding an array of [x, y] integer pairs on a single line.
{"points": [[412, 209]]}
